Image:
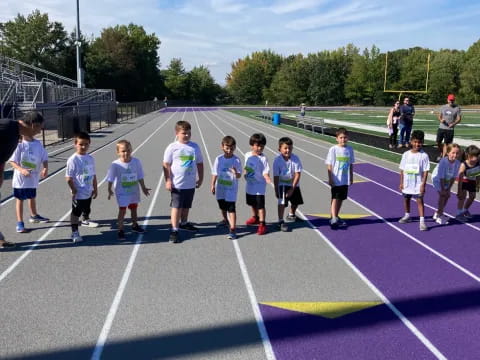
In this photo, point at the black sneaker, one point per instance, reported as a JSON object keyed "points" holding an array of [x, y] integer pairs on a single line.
{"points": [[6, 244], [174, 237], [121, 235], [188, 227], [136, 228]]}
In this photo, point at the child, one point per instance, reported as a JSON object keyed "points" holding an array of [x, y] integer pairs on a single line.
{"points": [[339, 162], [414, 168], [81, 179], [125, 174], [227, 168], [468, 175], [287, 169], [256, 174], [443, 177], [181, 161], [27, 161]]}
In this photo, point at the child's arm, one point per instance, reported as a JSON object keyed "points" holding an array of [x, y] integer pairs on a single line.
{"points": [[95, 187], [276, 180], [461, 174], [296, 180], [267, 178], [110, 191], [146, 191], [23, 171], [200, 174], [424, 182], [401, 180], [330, 174], [351, 174], [212, 185], [71, 185], [44, 172], [167, 172]]}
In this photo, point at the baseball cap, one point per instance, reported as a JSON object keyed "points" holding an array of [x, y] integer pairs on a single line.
{"points": [[451, 97]]}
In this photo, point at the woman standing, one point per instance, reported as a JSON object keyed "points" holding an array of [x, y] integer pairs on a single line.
{"points": [[392, 124]]}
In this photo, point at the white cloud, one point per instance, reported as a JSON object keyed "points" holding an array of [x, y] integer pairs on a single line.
{"points": [[286, 7], [227, 6]]}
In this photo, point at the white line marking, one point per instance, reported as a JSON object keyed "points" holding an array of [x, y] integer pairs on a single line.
{"points": [[243, 268], [97, 353], [4, 274]]}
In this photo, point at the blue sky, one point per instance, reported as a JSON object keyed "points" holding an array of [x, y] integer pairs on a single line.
{"points": [[215, 33]]}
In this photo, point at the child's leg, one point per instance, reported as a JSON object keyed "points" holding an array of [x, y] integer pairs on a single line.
{"points": [[184, 215], [461, 201], [19, 209], [335, 206], [420, 206], [262, 213], [175, 217], [442, 201], [32, 203], [121, 216], [74, 221], [254, 211], [406, 205], [225, 216], [134, 215], [471, 198], [281, 211], [232, 219]]}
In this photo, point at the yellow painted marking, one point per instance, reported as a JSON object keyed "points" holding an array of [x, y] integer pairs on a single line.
{"points": [[330, 310], [343, 216], [359, 181]]}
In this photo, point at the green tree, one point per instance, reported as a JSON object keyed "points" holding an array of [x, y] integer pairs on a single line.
{"points": [[177, 80], [470, 75], [290, 83], [203, 89], [445, 68]]}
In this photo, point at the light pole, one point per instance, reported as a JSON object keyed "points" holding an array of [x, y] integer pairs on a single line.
{"points": [[77, 45]]}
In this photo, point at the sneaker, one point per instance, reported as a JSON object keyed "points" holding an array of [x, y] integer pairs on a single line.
{"points": [[435, 216], [334, 224], [139, 230], [461, 217], [252, 221], [423, 226], [282, 226], [390, 146], [291, 218], [262, 229], [76, 237], [188, 227], [21, 227], [231, 235], [38, 219], [341, 223], [467, 214], [121, 235], [6, 245], [222, 223], [405, 219], [441, 220], [89, 223], [174, 237], [400, 146]]}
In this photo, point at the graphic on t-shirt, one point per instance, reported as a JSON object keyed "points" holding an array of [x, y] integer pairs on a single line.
{"points": [[226, 176], [128, 179], [187, 160], [286, 176], [250, 173], [343, 162], [86, 176], [473, 172]]}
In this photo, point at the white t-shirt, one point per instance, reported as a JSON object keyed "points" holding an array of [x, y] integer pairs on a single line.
{"points": [[226, 187], [125, 177], [445, 170], [340, 158], [29, 155], [81, 168], [413, 166], [183, 159], [256, 167], [286, 169]]}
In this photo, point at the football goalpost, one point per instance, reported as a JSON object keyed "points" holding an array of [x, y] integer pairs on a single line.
{"points": [[400, 92]]}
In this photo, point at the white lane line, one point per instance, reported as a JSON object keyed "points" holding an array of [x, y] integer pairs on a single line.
{"points": [[107, 326], [59, 170], [432, 250], [12, 267], [243, 268]]}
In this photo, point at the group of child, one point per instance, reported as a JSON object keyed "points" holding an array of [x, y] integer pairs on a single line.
{"points": [[183, 171]]}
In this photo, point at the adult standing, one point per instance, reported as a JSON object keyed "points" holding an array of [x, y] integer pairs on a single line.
{"points": [[303, 108], [392, 124], [10, 132], [450, 115], [407, 112]]}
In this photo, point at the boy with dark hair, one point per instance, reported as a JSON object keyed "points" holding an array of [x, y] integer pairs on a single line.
{"points": [[226, 171], [82, 180], [287, 169], [414, 168], [181, 162], [339, 162], [257, 176]]}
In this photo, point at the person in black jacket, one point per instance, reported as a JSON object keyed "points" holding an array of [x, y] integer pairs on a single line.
{"points": [[10, 132]]}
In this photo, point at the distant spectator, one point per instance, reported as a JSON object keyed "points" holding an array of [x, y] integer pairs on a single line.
{"points": [[392, 124], [449, 116], [303, 108], [165, 101], [407, 112]]}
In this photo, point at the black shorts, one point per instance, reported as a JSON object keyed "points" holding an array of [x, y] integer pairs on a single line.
{"points": [[340, 192], [415, 196], [444, 135], [182, 198], [228, 206], [24, 194], [296, 198], [81, 206], [470, 186], [256, 201]]}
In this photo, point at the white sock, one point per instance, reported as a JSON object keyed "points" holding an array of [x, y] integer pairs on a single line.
{"points": [[407, 214], [422, 219]]}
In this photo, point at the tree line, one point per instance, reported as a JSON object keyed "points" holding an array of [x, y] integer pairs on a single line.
{"points": [[125, 58]]}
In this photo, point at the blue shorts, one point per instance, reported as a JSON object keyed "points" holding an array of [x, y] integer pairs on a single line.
{"points": [[24, 194]]}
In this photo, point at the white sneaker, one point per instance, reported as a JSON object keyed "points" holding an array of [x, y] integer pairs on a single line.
{"points": [[405, 219], [89, 223], [76, 237], [441, 220], [435, 216], [423, 226]]}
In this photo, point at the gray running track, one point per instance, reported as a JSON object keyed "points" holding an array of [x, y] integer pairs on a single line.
{"points": [[197, 299]]}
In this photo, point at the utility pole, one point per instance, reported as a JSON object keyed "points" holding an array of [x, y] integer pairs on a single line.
{"points": [[77, 45]]}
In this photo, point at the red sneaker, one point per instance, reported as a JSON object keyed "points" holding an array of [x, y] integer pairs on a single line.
{"points": [[262, 229], [252, 221]]}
